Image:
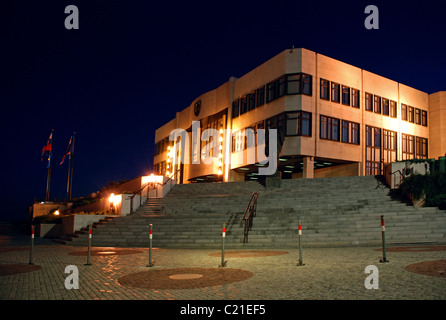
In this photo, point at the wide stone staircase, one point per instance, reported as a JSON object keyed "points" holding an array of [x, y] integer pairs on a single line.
{"points": [[342, 211]]}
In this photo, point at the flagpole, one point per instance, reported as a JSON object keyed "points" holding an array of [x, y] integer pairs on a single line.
{"points": [[48, 177], [71, 166], [69, 178]]}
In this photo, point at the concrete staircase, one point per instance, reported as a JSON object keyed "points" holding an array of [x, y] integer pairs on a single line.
{"points": [[341, 211]]}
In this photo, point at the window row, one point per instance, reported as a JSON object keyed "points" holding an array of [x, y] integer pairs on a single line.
{"points": [[413, 115], [377, 104], [162, 145], [339, 93], [289, 84], [414, 147], [294, 123], [339, 130]]}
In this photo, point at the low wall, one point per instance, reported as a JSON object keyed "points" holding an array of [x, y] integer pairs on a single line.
{"points": [[49, 230], [76, 222], [395, 172]]}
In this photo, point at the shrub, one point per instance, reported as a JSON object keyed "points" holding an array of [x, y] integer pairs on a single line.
{"points": [[432, 186]]}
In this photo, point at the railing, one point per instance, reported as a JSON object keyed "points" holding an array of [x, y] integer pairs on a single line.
{"points": [[250, 213], [148, 184]]}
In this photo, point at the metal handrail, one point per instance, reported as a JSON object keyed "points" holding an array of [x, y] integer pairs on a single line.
{"points": [[249, 214], [148, 185]]}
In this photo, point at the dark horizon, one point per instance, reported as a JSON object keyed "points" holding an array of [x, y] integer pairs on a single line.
{"points": [[131, 65]]}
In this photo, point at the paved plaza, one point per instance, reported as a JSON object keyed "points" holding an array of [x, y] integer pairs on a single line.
{"points": [[193, 274]]}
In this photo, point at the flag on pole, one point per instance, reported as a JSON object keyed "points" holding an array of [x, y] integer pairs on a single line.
{"points": [[69, 151], [47, 149]]}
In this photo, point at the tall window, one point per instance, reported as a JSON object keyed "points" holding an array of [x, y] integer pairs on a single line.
{"points": [[271, 91], [335, 92], [307, 86], [403, 112], [325, 89], [251, 100], [235, 108], [385, 106], [408, 146], [243, 105], [355, 98], [393, 109], [421, 148], [424, 118], [417, 116], [411, 114], [373, 150], [298, 123], [368, 101], [350, 132], [260, 96], [389, 146], [345, 95], [377, 104], [329, 128]]}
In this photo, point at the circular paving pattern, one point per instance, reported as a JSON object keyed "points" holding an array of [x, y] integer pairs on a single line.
{"points": [[248, 254], [184, 278], [106, 252], [429, 268], [415, 249], [9, 269]]}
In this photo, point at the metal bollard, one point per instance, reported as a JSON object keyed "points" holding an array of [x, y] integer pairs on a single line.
{"points": [[151, 264], [223, 236], [89, 246], [32, 245], [300, 262], [383, 235]]}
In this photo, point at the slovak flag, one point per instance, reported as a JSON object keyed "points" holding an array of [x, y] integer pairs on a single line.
{"points": [[47, 149], [69, 151]]}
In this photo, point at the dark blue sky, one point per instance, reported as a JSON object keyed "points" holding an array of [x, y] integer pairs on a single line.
{"points": [[133, 64]]}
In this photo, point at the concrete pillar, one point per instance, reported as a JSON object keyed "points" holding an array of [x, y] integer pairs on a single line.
{"points": [[308, 167]]}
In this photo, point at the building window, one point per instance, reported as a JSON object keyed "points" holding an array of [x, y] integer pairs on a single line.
{"points": [[411, 114], [335, 92], [377, 104], [424, 118], [307, 84], [389, 146], [329, 128], [293, 83], [345, 95], [251, 100], [373, 151], [393, 112], [368, 101], [417, 116], [355, 98], [421, 148], [403, 112], [281, 87], [299, 83], [325, 89], [385, 106], [298, 123], [271, 91], [408, 146], [260, 99], [243, 105], [235, 108], [350, 132]]}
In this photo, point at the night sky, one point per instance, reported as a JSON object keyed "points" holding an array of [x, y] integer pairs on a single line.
{"points": [[132, 64]]}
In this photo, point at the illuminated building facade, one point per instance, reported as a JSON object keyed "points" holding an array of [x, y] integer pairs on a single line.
{"points": [[332, 119]]}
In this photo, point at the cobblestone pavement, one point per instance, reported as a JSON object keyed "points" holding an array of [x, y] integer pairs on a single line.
{"points": [[327, 273]]}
